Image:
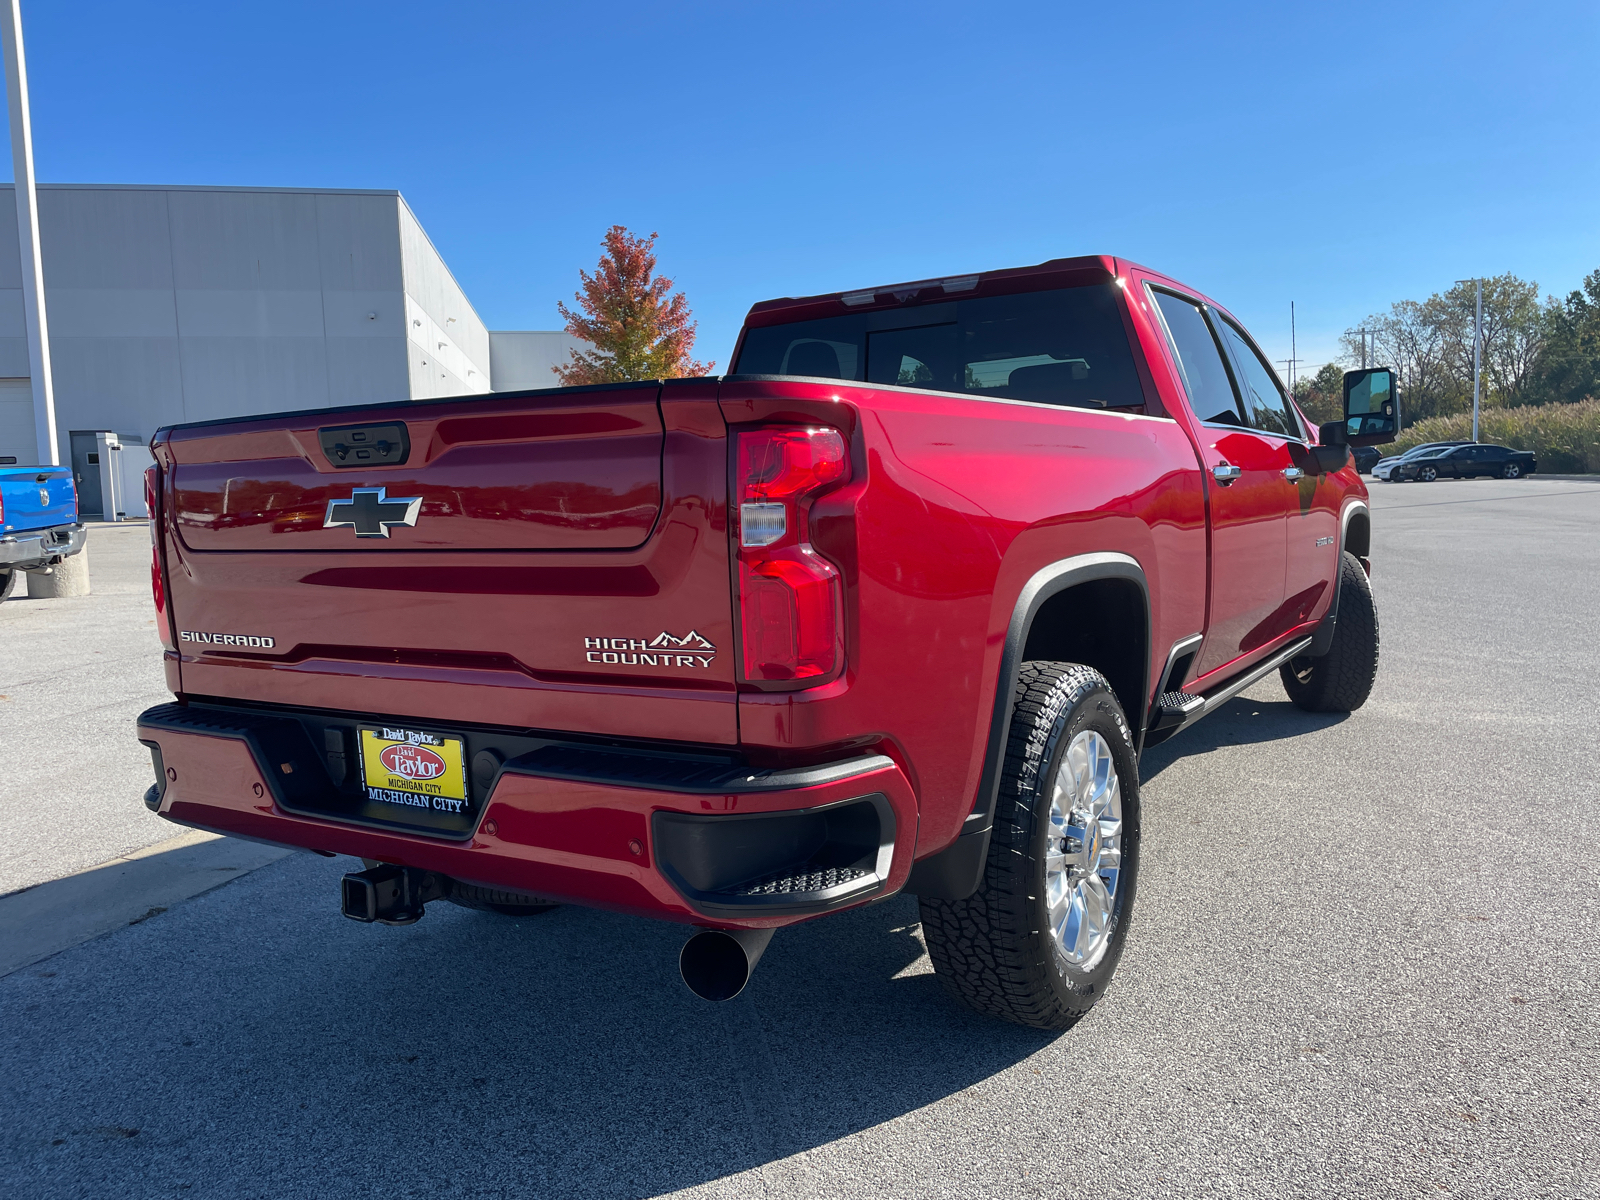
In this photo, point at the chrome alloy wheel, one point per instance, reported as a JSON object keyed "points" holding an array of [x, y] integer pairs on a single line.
{"points": [[1083, 851]]}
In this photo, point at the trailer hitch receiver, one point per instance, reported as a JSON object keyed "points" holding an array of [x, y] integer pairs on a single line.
{"points": [[390, 895]]}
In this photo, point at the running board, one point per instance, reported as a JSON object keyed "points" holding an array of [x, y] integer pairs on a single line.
{"points": [[1176, 711]]}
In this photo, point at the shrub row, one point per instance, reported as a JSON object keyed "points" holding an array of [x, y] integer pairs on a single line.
{"points": [[1565, 437]]}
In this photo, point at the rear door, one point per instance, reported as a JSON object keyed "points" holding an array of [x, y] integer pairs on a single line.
{"points": [[1490, 460], [1249, 496], [1311, 518]]}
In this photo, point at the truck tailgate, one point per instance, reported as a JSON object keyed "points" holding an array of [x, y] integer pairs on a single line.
{"points": [[36, 498], [539, 561]]}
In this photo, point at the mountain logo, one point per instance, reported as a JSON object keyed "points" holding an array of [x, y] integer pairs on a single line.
{"points": [[689, 641]]}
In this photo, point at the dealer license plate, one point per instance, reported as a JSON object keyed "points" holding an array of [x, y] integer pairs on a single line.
{"points": [[412, 768]]}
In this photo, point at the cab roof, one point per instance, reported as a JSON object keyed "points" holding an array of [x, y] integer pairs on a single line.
{"points": [[1057, 273]]}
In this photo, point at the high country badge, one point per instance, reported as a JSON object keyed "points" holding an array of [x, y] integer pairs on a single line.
{"points": [[663, 650]]}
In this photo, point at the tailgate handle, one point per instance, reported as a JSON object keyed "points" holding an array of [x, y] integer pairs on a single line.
{"points": [[382, 445]]}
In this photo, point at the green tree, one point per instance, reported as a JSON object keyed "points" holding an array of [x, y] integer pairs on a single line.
{"points": [[638, 328], [1570, 368], [1321, 396], [1429, 345], [1408, 339]]}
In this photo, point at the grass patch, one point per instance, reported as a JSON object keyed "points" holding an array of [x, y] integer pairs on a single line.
{"points": [[1565, 437]]}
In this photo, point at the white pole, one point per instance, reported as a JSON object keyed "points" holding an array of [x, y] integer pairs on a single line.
{"points": [[1477, 357], [44, 397]]}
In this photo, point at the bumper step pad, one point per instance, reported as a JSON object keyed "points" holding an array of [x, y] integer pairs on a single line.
{"points": [[783, 883]]}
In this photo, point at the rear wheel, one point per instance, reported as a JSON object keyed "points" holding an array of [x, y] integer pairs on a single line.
{"points": [[8, 583], [1341, 680], [1512, 471], [1427, 474], [1038, 942]]}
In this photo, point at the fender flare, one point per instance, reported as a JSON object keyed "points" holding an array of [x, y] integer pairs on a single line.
{"points": [[955, 872], [1323, 638]]}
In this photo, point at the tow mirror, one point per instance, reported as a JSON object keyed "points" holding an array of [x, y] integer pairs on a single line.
{"points": [[1371, 407]]}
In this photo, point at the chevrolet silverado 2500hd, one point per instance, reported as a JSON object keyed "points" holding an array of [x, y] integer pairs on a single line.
{"points": [[893, 607]]}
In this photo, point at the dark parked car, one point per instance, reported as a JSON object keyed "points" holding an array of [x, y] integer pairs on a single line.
{"points": [[1385, 468], [1366, 458], [1463, 462]]}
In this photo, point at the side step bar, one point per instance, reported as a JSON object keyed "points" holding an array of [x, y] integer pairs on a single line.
{"points": [[1176, 711]]}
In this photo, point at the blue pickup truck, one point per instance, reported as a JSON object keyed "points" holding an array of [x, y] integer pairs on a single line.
{"points": [[39, 523]]}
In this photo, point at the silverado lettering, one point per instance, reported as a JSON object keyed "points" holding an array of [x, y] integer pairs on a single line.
{"points": [[969, 546], [226, 639]]}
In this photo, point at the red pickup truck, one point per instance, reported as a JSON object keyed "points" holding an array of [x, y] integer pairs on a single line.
{"points": [[895, 606]]}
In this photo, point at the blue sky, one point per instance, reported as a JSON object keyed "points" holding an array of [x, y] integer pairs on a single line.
{"points": [[1340, 156]]}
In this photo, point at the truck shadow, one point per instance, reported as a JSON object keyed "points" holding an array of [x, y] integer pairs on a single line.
{"points": [[1241, 721], [558, 1055]]}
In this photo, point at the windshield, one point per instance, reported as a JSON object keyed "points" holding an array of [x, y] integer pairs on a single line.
{"points": [[1066, 346]]}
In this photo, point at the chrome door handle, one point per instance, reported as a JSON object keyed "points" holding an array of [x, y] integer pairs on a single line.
{"points": [[1226, 473], [1292, 473]]}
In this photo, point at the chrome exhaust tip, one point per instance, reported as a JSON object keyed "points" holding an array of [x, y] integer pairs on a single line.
{"points": [[717, 963]]}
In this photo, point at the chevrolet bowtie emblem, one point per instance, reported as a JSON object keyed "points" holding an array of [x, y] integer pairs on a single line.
{"points": [[370, 512]]}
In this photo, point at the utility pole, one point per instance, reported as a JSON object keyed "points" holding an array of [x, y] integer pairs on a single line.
{"points": [[1477, 349], [44, 397], [1363, 333], [1477, 357], [1293, 350]]}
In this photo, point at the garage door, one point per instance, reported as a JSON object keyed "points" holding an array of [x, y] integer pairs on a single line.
{"points": [[16, 422]]}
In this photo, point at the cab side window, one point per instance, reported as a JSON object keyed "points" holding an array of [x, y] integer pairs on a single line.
{"points": [[1200, 358], [1266, 408]]}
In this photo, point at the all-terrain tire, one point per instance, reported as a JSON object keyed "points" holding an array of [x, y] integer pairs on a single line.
{"points": [[511, 904], [8, 583], [995, 951], [1341, 680]]}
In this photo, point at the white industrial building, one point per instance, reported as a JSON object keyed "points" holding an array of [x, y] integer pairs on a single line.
{"points": [[170, 304]]}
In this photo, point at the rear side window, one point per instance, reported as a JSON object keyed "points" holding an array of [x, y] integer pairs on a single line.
{"points": [[1067, 346], [1265, 406], [1204, 375]]}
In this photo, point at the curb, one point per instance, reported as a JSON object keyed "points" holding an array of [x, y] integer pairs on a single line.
{"points": [[51, 917]]}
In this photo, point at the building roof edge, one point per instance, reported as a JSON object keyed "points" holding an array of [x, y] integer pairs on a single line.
{"points": [[201, 187]]}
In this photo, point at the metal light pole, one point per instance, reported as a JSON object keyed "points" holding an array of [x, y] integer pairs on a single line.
{"points": [[1477, 357], [1477, 350], [44, 398]]}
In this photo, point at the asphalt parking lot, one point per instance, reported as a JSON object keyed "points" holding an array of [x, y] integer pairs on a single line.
{"points": [[1364, 963]]}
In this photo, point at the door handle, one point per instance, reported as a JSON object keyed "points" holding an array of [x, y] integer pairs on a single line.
{"points": [[1292, 473], [1226, 473]]}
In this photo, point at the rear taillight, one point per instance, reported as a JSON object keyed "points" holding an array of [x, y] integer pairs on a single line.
{"points": [[152, 486], [157, 592], [789, 595]]}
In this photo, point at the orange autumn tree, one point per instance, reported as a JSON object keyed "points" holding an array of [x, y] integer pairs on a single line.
{"points": [[637, 328]]}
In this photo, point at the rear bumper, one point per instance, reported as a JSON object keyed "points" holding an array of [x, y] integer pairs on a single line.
{"points": [[636, 829], [40, 547]]}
